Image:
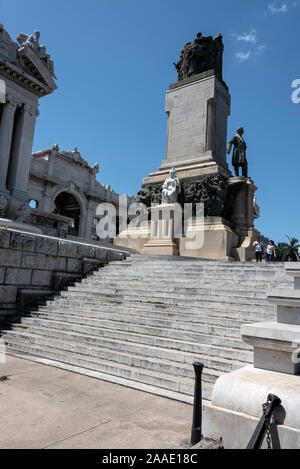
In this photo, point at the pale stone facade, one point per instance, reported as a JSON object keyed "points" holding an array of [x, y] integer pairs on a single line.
{"points": [[27, 72], [66, 193], [62, 184]]}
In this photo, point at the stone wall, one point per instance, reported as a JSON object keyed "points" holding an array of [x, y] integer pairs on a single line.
{"points": [[34, 265]]}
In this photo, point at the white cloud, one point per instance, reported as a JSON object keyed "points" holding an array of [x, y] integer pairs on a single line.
{"points": [[242, 57], [283, 8], [260, 49], [248, 37]]}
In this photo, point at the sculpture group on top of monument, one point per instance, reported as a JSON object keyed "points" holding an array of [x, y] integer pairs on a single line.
{"points": [[205, 53]]}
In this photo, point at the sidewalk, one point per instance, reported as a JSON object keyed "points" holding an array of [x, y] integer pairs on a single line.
{"points": [[46, 407]]}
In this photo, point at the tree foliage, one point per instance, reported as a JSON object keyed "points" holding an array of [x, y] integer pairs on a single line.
{"points": [[288, 252]]}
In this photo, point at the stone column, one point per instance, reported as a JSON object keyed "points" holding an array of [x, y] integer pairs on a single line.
{"points": [[6, 130], [22, 152]]}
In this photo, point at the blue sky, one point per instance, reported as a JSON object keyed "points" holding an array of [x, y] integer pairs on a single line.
{"points": [[113, 60]]}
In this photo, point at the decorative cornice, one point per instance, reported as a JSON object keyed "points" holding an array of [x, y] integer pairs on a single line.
{"points": [[22, 79]]}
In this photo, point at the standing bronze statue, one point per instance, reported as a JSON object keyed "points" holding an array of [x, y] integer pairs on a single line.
{"points": [[239, 153]]}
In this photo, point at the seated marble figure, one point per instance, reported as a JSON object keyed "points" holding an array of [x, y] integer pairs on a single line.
{"points": [[171, 189]]}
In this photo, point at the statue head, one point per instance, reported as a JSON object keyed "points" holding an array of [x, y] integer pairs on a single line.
{"points": [[240, 130], [173, 173], [37, 35]]}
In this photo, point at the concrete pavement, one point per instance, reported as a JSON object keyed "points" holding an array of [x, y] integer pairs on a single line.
{"points": [[46, 407]]}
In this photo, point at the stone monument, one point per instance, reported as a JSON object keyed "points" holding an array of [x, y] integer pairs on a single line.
{"points": [[28, 73], [198, 106], [166, 220]]}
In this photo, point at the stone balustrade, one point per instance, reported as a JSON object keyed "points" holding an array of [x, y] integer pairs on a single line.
{"points": [[276, 343], [30, 263]]}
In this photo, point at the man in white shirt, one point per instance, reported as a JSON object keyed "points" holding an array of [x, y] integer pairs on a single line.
{"points": [[259, 249]]}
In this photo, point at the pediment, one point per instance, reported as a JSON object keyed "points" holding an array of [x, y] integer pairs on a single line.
{"points": [[8, 48], [35, 66]]}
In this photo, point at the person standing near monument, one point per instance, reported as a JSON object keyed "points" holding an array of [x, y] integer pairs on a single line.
{"points": [[271, 252], [259, 249]]}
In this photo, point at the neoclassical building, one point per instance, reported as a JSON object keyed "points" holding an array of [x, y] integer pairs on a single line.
{"points": [[51, 192], [64, 193]]}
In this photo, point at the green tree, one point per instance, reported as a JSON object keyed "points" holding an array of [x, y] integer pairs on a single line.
{"points": [[288, 252]]}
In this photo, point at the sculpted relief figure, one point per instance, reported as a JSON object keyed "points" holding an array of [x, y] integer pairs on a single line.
{"points": [[205, 53], [171, 189], [239, 153], [34, 43], [256, 208]]}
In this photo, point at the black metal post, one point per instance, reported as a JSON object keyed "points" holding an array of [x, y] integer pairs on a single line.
{"points": [[261, 429], [197, 413]]}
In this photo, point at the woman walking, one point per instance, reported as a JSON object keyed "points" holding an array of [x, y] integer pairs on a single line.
{"points": [[259, 249], [271, 252]]}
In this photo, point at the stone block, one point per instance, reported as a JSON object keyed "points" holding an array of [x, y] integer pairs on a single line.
{"points": [[56, 263], [24, 242], [85, 251], [67, 249], [18, 276], [74, 265], [33, 260], [8, 294], [2, 274], [46, 245], [4, 238], [42, 278], [10, 258], [101, 254]]}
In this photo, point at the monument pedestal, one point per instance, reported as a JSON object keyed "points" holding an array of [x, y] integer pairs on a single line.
{"points": [[197, 129], [166, 225], [211, 238]]}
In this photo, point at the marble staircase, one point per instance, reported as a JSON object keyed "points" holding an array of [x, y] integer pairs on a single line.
{"points": [[143, 321]]}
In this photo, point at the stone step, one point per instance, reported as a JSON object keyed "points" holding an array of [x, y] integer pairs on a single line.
{"points": [[198, 315], [103, 327], [108, 311], [160, 380], [144, 321], [191, 270], [148, 363], [261, 281], [196, 294], [208, 349], [208, 302], [208, 310], [187, 287], [195, 273], [180, 325], [215, 363], [198, 264]]}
